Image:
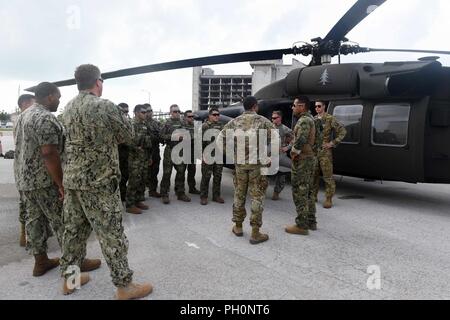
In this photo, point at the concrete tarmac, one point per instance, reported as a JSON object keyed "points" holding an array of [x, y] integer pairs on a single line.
{"points": [[395, 232]]}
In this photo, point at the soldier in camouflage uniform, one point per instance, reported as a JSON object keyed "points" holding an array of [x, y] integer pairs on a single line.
{"points": [[123, 158], [248, 175], [39, 141], [24, 102], [172, 124], [285, 140], [154, 127], [192, 166], [94, 128], [139, 154], [213, 168], [303, 165], [331, 128]]}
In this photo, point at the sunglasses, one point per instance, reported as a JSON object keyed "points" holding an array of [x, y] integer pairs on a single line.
{"points": [[318, 106], [275, 118], [189, 116], [215, 114]]}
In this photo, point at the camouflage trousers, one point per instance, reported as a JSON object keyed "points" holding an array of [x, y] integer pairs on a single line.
{"points": [[151, 180], [101, 211], [191, 170], [251, 180], [137, 170], [167, 173], [302, 191], [216, 171], [22, 210], [43, 213], [325, 165], [280, 182]]}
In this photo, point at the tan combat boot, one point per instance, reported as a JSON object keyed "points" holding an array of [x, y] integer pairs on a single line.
{"points": [[203, 201], [258, 237], [237, 229], [142, 206], [84, 278], [294, 229], [218, 199], [276, 196], [328, 203], [183, 197], [165, 199], [42, 264], [134, 210], [134, 291], [22, 239], [90, 264]]}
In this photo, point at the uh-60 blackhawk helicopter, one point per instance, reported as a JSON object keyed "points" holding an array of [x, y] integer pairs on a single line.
{"points": [[397, 114]]}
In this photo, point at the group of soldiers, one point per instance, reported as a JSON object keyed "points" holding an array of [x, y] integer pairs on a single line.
{"points": [[140, 159], [67, 173], [73, 172]]}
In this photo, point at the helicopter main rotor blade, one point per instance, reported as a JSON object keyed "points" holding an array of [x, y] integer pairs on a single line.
{"points": [[360, 10], [407, 50], [189, 63]]}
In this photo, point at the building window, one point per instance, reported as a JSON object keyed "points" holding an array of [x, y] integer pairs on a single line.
{"points": [[390, 125], [350, 116]]}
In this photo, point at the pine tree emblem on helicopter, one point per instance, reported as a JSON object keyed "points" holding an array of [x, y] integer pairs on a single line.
{"points": [[325, 78]]}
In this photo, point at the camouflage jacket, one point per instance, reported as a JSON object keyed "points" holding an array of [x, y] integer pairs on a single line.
{"points": [[154, 130], [169, 127], [141, 144], [304, 136], [35, 127], [217, 127], [191, 129], [285, 134], [94, 128], [250, 123], [333, 130]]}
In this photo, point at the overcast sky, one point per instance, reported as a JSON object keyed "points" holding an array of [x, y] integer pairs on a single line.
{"points": [[45, 40]]}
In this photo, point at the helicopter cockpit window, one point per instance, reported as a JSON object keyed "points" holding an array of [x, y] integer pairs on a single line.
{"points": [[390, 124], [350, 116]]}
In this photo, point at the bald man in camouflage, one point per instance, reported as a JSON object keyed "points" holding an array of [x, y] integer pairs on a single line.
{"points": [[94, 128]]}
